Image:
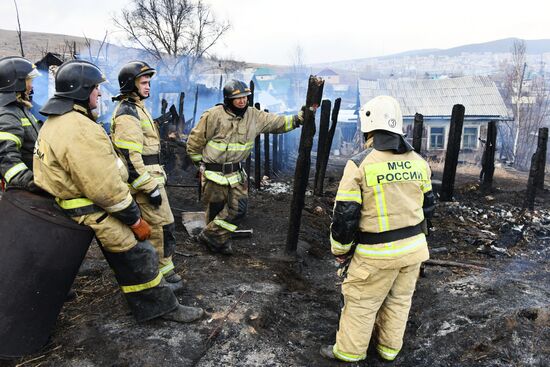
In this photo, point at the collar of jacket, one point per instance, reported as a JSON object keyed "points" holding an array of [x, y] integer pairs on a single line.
{"points": [[233, 112], [385, 140]]}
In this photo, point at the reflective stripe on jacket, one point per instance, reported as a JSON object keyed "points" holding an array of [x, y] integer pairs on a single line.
{"points": [[384, 192], [222, 137], [18, 132]]}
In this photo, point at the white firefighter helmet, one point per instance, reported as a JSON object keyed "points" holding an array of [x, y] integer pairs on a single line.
{"points": [[381, 113]]}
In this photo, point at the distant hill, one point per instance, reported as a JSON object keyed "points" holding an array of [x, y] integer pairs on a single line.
{"points": [[498, 46]]}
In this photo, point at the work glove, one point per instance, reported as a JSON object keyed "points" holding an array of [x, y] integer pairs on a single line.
{"points": [[154, 197], [141, 229], [24, 181]]}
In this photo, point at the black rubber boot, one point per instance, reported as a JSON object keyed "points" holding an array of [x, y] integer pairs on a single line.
{"points": [[326, 351], [184, 314], [172, 277]]}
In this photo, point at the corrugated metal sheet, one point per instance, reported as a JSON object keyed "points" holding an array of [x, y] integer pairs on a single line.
{"points": [[478, 94]]}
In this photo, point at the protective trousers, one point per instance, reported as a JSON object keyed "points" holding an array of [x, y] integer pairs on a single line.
{"points": [[135, 266], [161, 220], [375, 297], [225, 208]]}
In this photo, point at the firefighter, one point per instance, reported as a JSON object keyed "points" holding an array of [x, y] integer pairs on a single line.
{"points": [[384, 196], [219, 144], [137, 137], [75, 161], [18, 127]]}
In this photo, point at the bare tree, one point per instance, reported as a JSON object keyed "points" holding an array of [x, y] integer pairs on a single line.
{"points": [[19, 34], [299, 77], [175, 32], [89, 45], [530, 105]]}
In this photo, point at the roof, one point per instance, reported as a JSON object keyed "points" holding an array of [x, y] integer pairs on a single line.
{"points": [[478, 94], [263, 71], [327, 72]]}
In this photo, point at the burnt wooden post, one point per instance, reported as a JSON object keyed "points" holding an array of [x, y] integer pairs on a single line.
{"points": [[303, 163], [257, 157], [164, 106], [248, 165], [267, 169], [453, 149], [282, 162], [488, 159], [195, 106], [539, 180], [417, 132], [321, 146], [330, 137], [275, 152], [537, 169], [181, 122]]}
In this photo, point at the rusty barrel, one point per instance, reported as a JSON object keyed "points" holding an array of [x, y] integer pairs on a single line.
{"points": [[41, 250]]}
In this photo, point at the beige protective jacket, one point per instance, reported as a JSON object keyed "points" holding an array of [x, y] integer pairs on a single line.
{"points": [[383, 192], [222, 137], [75, 161], [136, 135]]}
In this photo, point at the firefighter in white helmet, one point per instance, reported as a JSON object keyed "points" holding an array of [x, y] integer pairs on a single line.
{"points": [[382, 201]]}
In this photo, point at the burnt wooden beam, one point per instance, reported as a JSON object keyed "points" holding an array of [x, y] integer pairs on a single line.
{"points": [[321, 146], [537, 166], [164, 106], [303, 163], [195, 105], [181, 123], [488, 159], [539, 180], [267, 169], [257, 157], [453, 150], [248, 164], [418, 129], [275, 153], [330, 137]]}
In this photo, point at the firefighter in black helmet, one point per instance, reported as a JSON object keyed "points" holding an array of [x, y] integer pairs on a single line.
{"points": [[223, 139], [137, 137], [18, 127], [75, 161]]}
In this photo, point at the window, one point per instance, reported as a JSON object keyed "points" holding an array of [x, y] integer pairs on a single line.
{"points": [[469, 138], [437, 135]]}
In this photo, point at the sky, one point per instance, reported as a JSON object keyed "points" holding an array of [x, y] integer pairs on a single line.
{"points": [[269, 31]]}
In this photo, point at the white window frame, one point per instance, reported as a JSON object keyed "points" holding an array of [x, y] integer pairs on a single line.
{"points": [[476, 138], [444, 137]]}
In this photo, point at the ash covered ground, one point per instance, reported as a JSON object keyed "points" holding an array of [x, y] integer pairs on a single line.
{"points": [[265, 308]]}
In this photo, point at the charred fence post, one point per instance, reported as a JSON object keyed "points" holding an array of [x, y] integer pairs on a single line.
{"points": [[248, 164], [275, 153], [453, 149], [195, 106], [303, 163], [257, 158], [181, 122], [321, 146], [539, 180], [417, 132], [330, 137], [488, 159], [267, 169], [537, 169]]}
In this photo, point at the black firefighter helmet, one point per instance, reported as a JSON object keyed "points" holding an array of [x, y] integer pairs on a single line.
{"points": [[76, 79], [130, 72], [235, 89], [14, 70]]}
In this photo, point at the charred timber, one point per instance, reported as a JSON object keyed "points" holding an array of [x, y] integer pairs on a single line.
{"points": [[488, 159], [248, 164], [418, 130], [303, 163], [257, 157], [321, 146], [453, 150], [537, 168]]}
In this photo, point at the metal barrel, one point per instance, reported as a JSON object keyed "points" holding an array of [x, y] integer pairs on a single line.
{"points": [[41, 250]]}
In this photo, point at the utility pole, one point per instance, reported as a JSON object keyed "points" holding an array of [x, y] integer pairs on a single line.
{"points": [[19, 34]]}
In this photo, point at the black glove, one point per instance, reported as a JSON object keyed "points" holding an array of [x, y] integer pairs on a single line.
{"points": [[299, 119], [24, 181], [154, 197]]}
